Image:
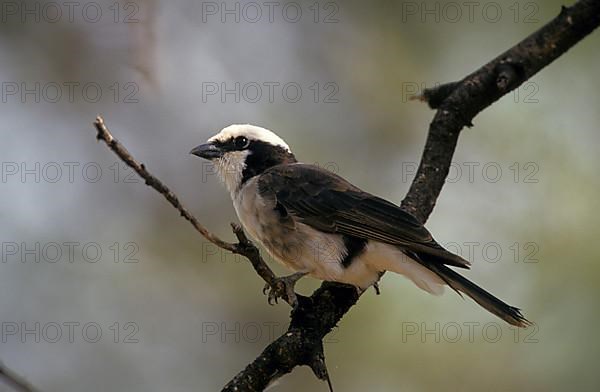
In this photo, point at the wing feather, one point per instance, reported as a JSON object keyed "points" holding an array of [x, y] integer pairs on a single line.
{"points": [[327, 202]]}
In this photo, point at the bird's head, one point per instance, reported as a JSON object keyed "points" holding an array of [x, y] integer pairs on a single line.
{"points": [[240, 152]]}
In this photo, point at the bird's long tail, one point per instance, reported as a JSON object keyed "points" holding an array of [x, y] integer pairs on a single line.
{"points": [[460, 284]]}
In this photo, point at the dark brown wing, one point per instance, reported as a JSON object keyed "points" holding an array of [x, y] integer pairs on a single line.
{"points": [[331, 204]]}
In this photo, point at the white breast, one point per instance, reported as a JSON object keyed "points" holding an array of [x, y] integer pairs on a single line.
{"points": [[295, 244], [302, 248]]}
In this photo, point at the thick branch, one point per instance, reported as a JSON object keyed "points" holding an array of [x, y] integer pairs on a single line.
{"points": [[485, 86], [457, 103]]}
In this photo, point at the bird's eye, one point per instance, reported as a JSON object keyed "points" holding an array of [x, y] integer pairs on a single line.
{"points": [[241, 142]]}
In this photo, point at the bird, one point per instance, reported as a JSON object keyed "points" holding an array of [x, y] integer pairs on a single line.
{"points": [[316, 223]]}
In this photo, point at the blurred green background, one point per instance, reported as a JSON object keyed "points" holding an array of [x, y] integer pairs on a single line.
{"points": [[181, 316]]}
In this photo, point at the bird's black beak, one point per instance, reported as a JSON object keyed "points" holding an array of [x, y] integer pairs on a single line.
{"points": [[207, 151]]}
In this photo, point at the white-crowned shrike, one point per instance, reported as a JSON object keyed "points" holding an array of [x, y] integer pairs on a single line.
{"points": [[317, 223]]}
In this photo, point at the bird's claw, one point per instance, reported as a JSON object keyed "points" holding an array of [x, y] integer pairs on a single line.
{"points": [[283, 287], [274, 293]]}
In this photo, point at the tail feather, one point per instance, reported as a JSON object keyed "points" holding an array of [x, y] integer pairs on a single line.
{"points": [[460, 284]]}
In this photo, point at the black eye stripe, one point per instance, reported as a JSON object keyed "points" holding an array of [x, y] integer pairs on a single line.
{"points": [[264, 155], [233, 144], [237, 144], [240, 142]]}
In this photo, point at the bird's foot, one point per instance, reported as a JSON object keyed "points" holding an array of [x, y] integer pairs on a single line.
{"points": [[283, 287]]}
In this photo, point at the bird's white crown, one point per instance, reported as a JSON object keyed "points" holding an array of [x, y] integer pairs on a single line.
{"points": [[252, 132]]}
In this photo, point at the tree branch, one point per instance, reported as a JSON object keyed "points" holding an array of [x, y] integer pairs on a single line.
{"points": [[457, 103], [244, 247]]}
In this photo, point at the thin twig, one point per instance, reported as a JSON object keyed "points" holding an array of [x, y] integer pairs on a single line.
{"points": [[17, 382], [244, 246], [105, 135]]}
